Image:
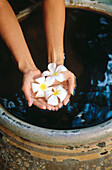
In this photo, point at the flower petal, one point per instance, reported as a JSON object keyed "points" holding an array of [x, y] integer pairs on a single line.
{"points": [[49, 88], [53, 100], [56, 87], [35, 87], [52, 67], [60, 87], [40, 93], [48, 93], [40, 80], [61, 68], [62, 95], [46, 73], [60, 77], [50, 80]]}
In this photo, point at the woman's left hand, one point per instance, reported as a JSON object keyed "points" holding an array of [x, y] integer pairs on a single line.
{"points": [[69, 85]]}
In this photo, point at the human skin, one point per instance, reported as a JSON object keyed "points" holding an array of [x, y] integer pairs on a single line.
{"points": [[54, 21], [11, 33]]}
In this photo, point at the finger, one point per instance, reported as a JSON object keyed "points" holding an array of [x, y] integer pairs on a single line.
{"points": [[27, 94], [56, 108], [60, 105], [66, 100], [43, 102], [39, 104], [48, 107], [30, 102], [71, 84], [53, 108]]}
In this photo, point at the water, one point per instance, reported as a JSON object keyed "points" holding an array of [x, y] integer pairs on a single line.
{"points": [[90, 40]]}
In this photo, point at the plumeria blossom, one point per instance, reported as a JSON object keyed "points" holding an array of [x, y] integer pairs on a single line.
{"points": [[54, 73], [41, 87], [55, 95]]}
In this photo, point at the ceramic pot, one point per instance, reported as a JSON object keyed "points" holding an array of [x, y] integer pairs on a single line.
{"points": [[24, 146]]}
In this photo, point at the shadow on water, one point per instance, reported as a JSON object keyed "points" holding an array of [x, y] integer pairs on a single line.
{"points": [[88, 40]]}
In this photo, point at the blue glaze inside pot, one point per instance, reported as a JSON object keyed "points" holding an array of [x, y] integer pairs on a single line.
{"points": [[90, 40]]}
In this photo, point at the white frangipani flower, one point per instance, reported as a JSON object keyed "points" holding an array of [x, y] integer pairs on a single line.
{"points": [[41, 87], [54, 73], [55, 95]]}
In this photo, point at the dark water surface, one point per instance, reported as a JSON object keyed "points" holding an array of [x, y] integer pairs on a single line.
{"points": [[88, 47]]}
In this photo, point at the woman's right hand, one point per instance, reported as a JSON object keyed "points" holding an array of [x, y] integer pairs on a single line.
{"points": [[28, 79]]}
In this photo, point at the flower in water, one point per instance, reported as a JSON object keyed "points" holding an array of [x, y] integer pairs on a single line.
{"points": [[41, 87], [56, 95], [54, 73]]}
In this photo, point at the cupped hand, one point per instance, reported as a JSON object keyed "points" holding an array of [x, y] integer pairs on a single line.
{"points": [[28, 79], [69, 85]]}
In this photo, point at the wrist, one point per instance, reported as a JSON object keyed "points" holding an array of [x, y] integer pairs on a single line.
{"points": [[25, 66], [56, 57]]}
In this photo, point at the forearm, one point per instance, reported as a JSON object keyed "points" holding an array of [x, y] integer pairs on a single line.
{"points": [[54, 21], [11, 33]]}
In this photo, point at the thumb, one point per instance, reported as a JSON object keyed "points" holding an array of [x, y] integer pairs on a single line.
{"points": [[71, 84], [30, 101], [27, 94]]}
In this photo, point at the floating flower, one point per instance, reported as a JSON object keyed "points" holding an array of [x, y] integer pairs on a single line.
{"points": [[41, 87], [54, 73], [55, 95]]}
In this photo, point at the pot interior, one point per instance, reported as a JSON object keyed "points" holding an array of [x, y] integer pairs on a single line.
{"points": [[88, 49]]}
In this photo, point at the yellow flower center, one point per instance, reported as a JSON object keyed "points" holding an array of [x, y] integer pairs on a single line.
{"points": [[56, 92], [54, 74], [43, 87]]}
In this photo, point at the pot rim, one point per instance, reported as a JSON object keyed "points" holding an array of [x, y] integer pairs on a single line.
{"points": [[55, 137], [102, 6], [61, 137]]}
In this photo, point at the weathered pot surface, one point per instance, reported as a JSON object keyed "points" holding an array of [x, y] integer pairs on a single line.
{"points": [[24, 146], [54, 137], [103, 6]]}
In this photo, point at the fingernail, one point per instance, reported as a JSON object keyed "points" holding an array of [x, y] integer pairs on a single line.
{"points": [[44, 107], [72, 92], [29, 104], [65, 103], [49, 108]]}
